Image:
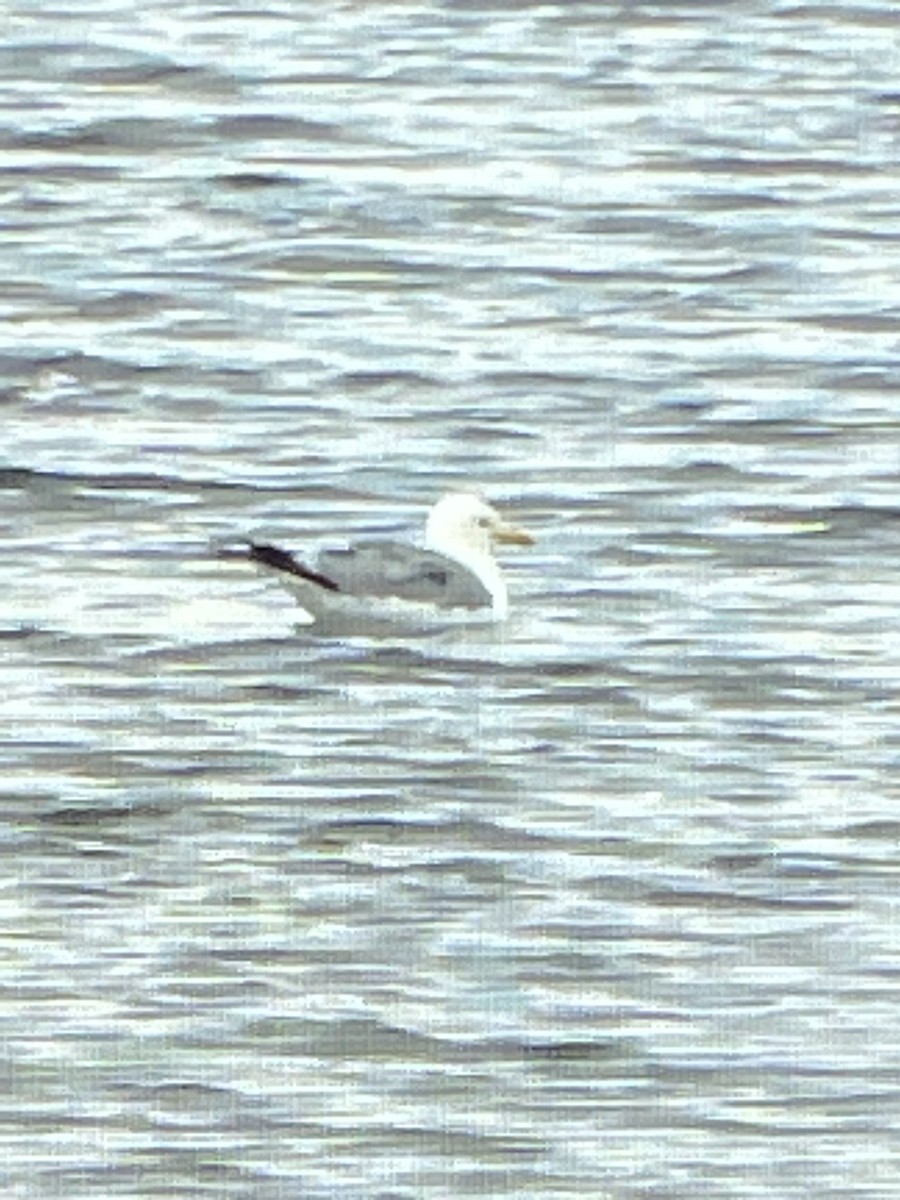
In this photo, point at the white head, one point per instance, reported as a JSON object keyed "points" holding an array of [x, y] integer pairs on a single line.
{"points": [[466, 528]]}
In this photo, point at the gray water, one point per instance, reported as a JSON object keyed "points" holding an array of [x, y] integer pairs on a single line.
{"points": [[601, 904]]}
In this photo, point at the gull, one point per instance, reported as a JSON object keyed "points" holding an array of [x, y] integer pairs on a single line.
{"points": [[377, 583]]}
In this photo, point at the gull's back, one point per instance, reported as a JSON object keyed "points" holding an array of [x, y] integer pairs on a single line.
{"points": [[386, 569]]}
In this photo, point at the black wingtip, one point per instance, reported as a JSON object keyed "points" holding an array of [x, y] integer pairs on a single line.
{"points": [[280, 560]]}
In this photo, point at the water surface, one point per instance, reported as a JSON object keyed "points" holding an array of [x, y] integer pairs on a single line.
{"points": [[599, 904]]}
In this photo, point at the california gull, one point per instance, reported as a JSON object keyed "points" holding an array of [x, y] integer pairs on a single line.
{"points": [[379, 582]]}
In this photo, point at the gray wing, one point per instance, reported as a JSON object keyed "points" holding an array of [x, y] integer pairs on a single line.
{"points": [[393, 569]]}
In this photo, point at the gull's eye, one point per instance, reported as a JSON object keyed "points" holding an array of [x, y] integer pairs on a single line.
{"points": [[483, 522]]}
